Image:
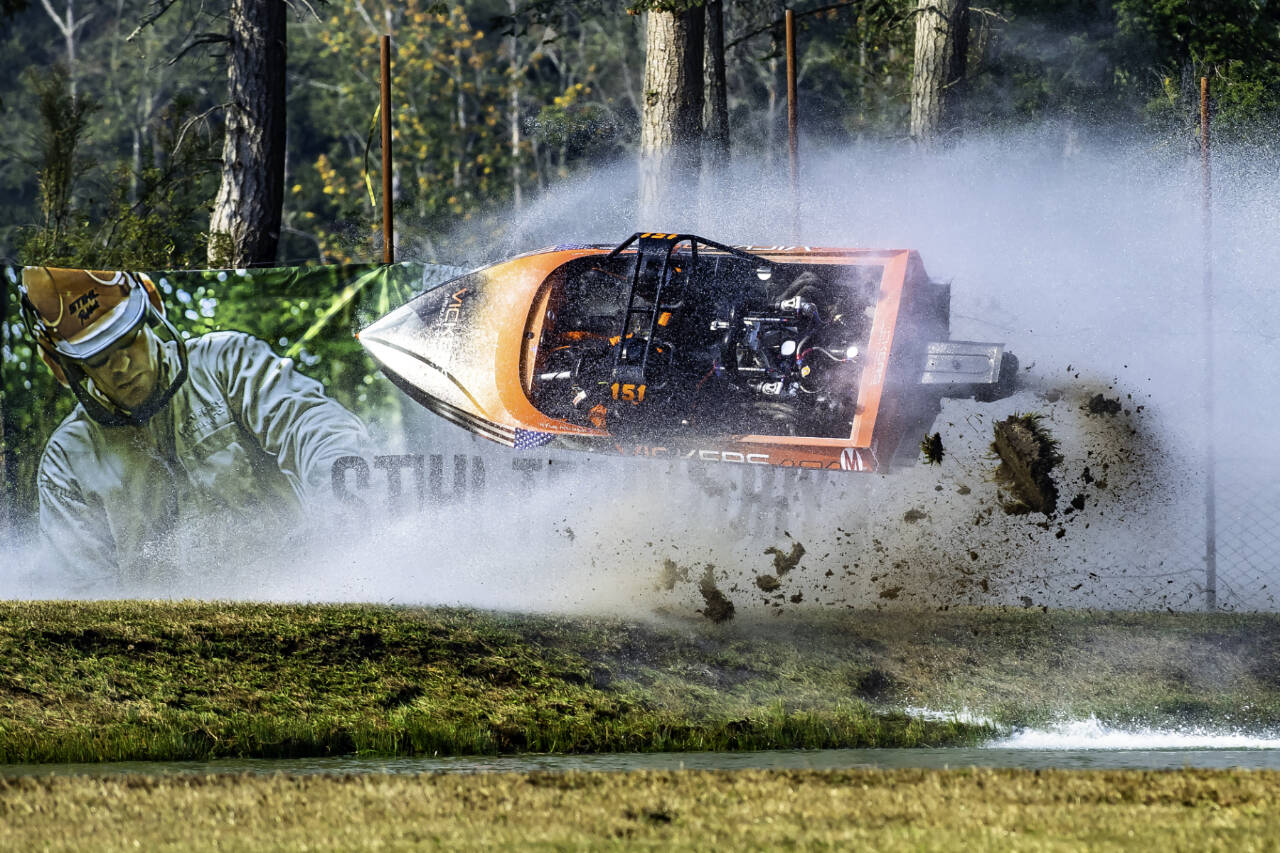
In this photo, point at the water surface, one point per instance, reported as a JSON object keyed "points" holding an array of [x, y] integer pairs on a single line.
{"points": [[1088, 744], [782, 759]]}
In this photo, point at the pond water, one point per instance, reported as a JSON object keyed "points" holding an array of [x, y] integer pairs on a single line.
{"points": [[783, 759], [1074, 745]]}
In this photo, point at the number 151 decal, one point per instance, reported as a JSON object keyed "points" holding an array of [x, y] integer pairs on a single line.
{"points": [[629, 392]]}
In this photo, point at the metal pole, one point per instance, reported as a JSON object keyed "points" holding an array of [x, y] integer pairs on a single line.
{"points": [[792, 122], [1210, 498], [388, 223]]}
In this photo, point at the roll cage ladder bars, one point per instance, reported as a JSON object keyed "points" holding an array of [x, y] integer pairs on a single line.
{"points": [[652, 274]]}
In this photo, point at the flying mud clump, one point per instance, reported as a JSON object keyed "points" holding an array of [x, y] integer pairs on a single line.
{"points": [[1100, 405], [782, 563], [1028, 454], [670, 573], [719, 608], [932, 450]]}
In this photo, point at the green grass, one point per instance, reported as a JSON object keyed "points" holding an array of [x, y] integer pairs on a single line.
{"points": [[908, 810], [126, 680], [101, 681]]}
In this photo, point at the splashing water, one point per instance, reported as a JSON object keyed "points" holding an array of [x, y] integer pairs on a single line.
{"points": [[1087, 266], [1092, 733]]}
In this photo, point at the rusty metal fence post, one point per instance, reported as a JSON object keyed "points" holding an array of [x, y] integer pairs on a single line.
{"points": [[1210, 499], [793, 120], [388, 223]]}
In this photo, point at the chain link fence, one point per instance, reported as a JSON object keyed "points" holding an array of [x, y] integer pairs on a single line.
{"points": [[1248, 534], [902, 541], [921, 537]]}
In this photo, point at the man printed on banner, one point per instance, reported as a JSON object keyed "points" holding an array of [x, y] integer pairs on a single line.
{"points": [[216, 434]]}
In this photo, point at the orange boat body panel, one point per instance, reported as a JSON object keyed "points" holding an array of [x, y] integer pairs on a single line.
{"points": [[469, 353]]}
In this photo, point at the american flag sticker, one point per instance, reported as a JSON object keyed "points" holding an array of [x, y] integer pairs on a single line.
{"points": [[527, 439]]}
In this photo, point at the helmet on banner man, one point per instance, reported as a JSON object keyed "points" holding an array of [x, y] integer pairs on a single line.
{"points": [[96, 332]]}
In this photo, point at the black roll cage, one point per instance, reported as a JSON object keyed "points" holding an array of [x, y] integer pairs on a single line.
{"points": [[650, 275]]}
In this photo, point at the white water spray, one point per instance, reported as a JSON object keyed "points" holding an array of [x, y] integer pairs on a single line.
{"points": [[1086, 264], [1093, 734]]}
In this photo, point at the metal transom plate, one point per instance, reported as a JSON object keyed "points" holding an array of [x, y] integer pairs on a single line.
{"points": [[962, 363]]}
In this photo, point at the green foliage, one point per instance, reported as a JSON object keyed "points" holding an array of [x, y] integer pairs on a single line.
{"points": [[874, 63], [580, 128], [1210, 32], [31, 401], [64, 117], [499, 98], [145, 219], [1134, 64], [1246, 104], [450, 150]]}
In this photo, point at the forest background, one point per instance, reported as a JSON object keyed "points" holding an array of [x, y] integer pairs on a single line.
{"points": [[115, 115]]}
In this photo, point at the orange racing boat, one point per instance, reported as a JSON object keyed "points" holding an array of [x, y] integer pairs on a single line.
{"points": [[671, 345]]}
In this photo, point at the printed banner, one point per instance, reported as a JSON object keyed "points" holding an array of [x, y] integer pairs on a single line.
{"points": [[137, 404]]}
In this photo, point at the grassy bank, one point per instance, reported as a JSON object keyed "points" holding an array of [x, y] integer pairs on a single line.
{"points": [[97, 681], [125, 680], [746, 810]]}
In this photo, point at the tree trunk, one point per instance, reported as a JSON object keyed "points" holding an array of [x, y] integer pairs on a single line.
{"points": [[69, 26], [245, 226], [671, 125], [937, 78], [513, 110], [717, 108], [459, 129], [773, 88]]}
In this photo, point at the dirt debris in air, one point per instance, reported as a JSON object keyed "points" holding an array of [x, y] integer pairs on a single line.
{"points": [[783, 563], [931, 448], [670, 573], [1100, 405], [767, 583], [988, 522], [1028, 455], [719, 608]]}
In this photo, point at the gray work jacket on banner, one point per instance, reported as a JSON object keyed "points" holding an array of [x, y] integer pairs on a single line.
{"points": [[243, 448]]}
